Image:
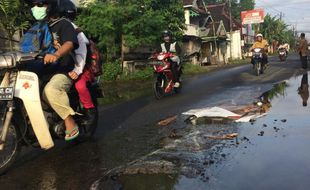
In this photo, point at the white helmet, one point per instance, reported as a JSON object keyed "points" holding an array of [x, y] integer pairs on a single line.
{"points": [[259, 35]]}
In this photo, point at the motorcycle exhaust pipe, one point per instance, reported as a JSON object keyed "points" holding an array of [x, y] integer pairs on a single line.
{"points": [[6, 125]]}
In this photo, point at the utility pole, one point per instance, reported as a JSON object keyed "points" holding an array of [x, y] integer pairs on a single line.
{"points": [[281, 15], [230, 26]]}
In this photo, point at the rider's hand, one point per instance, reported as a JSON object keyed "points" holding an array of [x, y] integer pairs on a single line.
{"points": [[73, 75], [50, 58]]}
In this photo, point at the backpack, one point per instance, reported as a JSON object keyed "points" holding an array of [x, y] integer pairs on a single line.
{"points": [[94, 59], [38, 39]]}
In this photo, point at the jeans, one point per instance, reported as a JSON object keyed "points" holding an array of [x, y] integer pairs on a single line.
{"points": [[81, 87]]}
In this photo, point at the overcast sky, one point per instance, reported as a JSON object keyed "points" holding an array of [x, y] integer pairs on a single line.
{"points": [[296, 12]]}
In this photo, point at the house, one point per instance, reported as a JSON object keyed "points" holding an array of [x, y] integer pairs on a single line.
{"points": [[220, 13], [197, 20], [216, 43]]}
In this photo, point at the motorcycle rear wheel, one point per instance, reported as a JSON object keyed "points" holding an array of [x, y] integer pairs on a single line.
{"points": [[11, 148]]}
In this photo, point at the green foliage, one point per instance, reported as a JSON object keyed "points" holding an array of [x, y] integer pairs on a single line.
{"points": [[140, 75], [130, 22], [247, 5], [14, 17], [111, 71], [274, 28], [189, 69]]}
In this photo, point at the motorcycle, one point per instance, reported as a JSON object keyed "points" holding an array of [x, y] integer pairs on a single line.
{"points": [[257, 56], [282, 54], [25, 120], [163, 83]]}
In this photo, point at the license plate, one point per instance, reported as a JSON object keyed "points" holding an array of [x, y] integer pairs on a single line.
{"points": [[6, 93]]}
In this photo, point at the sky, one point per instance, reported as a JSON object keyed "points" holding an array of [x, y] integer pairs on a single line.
{"points": [[296, 12]]}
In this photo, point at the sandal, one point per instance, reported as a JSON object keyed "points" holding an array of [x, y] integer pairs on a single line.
{"points": [[74, 133]]}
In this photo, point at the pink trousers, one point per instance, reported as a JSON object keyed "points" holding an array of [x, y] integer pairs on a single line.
{"points": [[81, 87]]}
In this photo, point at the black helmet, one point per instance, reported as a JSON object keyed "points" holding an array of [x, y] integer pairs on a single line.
{"points": [[167, 33], [67, 9]]}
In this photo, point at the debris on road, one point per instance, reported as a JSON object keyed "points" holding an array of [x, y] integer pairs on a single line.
{"points": [[261, 133], [168, 121], [212, 112], [220, 115], [224, 137]]}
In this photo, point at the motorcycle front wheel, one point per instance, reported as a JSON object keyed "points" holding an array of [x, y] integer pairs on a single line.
{"points": [[257, 68], [11, 148], [159, 87], [282, 58]]}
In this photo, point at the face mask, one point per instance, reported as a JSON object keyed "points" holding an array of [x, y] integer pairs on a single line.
{"points": [[39, 13]]}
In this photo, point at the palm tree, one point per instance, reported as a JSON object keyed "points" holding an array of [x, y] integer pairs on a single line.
{"points": [[274, 28]]}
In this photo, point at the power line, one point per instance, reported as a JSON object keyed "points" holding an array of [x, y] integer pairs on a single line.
{"points": [[270, 6]]}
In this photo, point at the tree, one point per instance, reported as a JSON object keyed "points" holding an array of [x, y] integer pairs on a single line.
{"points": [[130, 22], [13, 17], [246, 5], [236, 6]]}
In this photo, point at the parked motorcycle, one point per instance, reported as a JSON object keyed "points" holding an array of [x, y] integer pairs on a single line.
{"points": [[257, 56], [25, 120], [282, 54], [163, 83]]}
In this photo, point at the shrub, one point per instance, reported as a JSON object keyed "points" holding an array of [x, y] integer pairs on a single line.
{"points": [[111, 71]]}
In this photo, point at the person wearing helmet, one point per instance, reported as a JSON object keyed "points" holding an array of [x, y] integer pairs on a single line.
{"points": [[79, 74], [173, 47], [65, 41], [262, 44]]}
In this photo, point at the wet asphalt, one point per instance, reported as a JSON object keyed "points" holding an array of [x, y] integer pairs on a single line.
{"points": [[128, 131]]}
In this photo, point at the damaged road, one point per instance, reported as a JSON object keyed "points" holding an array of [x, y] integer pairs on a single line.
{"points": [[131, 151]]}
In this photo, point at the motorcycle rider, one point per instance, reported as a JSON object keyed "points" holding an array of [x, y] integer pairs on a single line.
{"points": [[284, 46], [79, 74], [65, 39], [172, 47], [263, 45]]}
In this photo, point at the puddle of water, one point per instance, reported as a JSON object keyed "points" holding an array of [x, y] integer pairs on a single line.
{"points": [[269, 153], [276, 156]]}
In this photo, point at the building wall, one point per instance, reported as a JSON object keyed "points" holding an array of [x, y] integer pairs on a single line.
{"points": [[191, 46], [235, 38]]}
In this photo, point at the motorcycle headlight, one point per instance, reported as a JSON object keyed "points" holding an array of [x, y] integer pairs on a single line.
{"points": [[257, 50], [161, 57]]}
